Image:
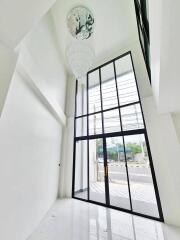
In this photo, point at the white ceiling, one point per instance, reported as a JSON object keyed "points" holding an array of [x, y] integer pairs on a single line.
{"points": [[115, 25], [17, 18]]}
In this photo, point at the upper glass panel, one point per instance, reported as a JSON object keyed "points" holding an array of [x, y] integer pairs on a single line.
{"points": [[95, 124], [111, 121], [132, 117], [94, 92], [147, 9], [81, 100], [81, 126], [108, 86], [126, 83]]}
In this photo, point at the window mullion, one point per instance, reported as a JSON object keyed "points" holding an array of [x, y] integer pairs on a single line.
{"points": [[120, 119], [88, 185], [104, 144]]}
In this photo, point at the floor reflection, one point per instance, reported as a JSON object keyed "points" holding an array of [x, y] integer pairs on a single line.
{"points": [[104, 223], [77, 220]]}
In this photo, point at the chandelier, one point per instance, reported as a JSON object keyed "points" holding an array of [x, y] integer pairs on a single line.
{"points": [[80, 58], [80, 54]]}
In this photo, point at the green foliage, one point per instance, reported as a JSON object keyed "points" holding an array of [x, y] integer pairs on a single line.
{"points": [[112, 155], [134, 147], [112, 152]]}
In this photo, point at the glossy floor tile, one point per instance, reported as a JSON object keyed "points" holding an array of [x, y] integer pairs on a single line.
{"points": [[71, 219]]}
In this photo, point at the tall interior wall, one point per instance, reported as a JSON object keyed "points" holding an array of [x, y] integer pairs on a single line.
{"points": [[165, 150], [30, 136]]}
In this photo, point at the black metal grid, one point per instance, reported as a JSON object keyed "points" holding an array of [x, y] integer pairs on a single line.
{"points": [[113, 134], [143, 30]]}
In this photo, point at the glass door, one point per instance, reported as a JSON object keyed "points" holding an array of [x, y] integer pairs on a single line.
{"points": [[117, 173], [97, 171]]}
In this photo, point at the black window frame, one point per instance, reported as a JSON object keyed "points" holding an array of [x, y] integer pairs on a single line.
{"points": [[114, 134], [143, 32]]}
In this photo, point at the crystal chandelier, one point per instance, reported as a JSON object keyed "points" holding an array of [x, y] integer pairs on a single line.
{"points": [[79, 53], [80, 58]]}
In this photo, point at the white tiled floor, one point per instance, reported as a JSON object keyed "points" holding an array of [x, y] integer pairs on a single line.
{"points": [[71, 219]]}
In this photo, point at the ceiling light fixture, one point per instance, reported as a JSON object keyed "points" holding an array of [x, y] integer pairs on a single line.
{"points": [[80, 58], [80, 54]]}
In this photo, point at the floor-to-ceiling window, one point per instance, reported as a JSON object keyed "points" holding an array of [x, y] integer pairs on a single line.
{"points": [[112, 159]]}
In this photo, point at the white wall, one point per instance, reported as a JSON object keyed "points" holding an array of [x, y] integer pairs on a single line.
{"points": [[7, 66], [176, 121], [65, 181], [165, 49], [40, 58], [30, 153], [30, 136], [165, 37], [17, 17], [165, 150]]}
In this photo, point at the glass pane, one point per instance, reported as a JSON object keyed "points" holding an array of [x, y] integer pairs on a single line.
{"points": [[94, 92], [81, 187], [111, 121], [118, 185], [95, 124], [132, 117], [81, 100], [147, 9], [141, 183], [109, 93], [127, 89], [141, 20], [81, 126], [141, 38], [96, 171]]}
